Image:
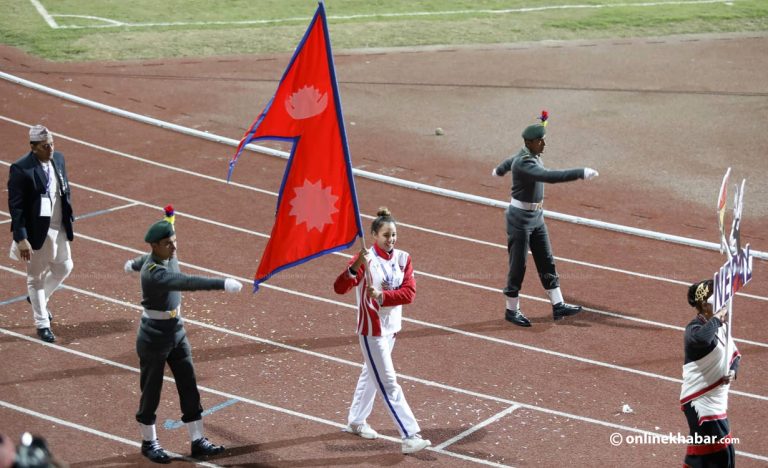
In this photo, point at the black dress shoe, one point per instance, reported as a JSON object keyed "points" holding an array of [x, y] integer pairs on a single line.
{"points": [[46, 335], [204, 448], [517, 317], [152, 450], [561, 310]]}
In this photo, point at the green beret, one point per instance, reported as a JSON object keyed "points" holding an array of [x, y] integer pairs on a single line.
{"points": [[158, 231], [535, 131]]}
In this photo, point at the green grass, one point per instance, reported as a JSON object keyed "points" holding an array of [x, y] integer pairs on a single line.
{"points": [[22, 26]]}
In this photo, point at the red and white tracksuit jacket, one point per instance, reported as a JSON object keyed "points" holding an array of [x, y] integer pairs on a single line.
{"points": [[391, 273], [377, 326]]}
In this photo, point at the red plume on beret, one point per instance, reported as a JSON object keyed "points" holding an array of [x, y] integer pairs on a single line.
{"points": [[169, 214], [544, 117]]}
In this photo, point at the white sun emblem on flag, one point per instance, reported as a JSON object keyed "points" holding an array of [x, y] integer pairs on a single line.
{"points": [[313, 205], [306, 102]]}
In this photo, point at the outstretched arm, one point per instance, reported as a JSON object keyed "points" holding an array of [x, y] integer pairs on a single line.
{"points": [[532, 171], [135, 264], [503, 168]]}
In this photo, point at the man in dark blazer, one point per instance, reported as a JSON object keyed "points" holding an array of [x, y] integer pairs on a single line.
{"points": [[41, 221]]}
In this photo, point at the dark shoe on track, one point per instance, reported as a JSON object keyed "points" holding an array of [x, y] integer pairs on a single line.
{"points": [[561, 310], [46, 335], [517, 317], [204, 448], [152, 450]]}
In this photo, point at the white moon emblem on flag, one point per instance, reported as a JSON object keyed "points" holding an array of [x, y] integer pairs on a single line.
{"points": [[313, 205], [306, 102]]}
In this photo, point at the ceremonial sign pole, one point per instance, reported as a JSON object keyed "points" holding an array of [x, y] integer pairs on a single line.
{"points": [[737, 270]]}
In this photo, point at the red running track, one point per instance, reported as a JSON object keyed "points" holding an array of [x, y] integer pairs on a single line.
{"points": [[285, 361]]}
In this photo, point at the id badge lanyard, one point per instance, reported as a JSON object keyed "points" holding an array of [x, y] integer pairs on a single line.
{"points": [[46, 203]]}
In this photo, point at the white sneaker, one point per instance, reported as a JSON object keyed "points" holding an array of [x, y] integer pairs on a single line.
{"points": [[363, 430], [415, 443]]}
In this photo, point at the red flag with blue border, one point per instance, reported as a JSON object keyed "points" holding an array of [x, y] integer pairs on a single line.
{"points": [[317, 211]]}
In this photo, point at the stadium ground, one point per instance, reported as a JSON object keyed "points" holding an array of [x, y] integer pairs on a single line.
{"points": [[660, 118]]}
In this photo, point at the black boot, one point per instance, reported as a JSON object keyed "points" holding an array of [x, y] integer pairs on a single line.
{"points": [[46, 335], [517, 317], [152, 450], [204, 448], [561, 310]]}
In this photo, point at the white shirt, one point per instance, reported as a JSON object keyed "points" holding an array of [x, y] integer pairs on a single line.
{"points": [[53, 193]]}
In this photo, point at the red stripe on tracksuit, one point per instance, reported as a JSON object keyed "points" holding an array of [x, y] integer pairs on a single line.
{"points": [[368, 309], [707, 449]]}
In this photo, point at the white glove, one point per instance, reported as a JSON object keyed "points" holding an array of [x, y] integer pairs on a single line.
{"points": [[493, 173], [128, 267], [590, 174], [232, 285]]}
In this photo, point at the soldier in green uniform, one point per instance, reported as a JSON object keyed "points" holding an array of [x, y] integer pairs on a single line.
{"points": [[162, 339], [525, 223]]}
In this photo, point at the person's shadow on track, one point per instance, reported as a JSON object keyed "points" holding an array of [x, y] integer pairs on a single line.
{"points": [[336, 441]]}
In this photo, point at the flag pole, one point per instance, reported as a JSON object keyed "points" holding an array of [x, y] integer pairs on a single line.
{"points": [[368, 277]]}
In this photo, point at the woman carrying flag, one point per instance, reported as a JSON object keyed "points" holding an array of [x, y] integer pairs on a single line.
{"points": [[384, 279]]}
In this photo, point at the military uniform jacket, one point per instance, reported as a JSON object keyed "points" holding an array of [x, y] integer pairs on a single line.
{"points": [[528, 178], [162, 282], [26, 187]]}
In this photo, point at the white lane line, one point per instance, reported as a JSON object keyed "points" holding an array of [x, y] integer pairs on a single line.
{"points": [[107, 210], [412, 14], [109, 21], [231, 396], [477, 427], [44, 13], [419, 272], [339, 425], [349, 306], [411, 185], [274, 194], [457, 331], [92, 431], [146, 161]]}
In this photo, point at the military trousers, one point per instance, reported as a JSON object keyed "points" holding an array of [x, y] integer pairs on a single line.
{"points": [[519, 240], [160, 342]]}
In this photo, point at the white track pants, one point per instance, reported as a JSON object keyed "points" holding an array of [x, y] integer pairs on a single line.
{"points": [[378, 375], [46, 270]]}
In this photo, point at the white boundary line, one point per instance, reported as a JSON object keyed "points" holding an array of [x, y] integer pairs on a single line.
{"points": [[391, 15], [333, 359], [457, 331], [419, 272], [44, 13], [374, 176], [477, 427], [411, 226], [239, 398], [105, 211], [96, 432]]}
